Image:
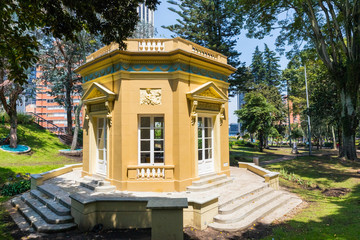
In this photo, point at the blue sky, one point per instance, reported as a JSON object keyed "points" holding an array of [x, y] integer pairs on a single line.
{"points": [[163, 16]]}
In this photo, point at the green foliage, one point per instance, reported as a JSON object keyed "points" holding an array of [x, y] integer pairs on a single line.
{"points": [[331, 29], [21, 118], [14, 188], [257, 115], [212, 24]]}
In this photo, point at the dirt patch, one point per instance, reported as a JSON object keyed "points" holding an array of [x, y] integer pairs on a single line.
{"points": [[336, 192]]}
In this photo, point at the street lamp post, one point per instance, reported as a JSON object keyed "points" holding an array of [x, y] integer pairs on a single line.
{"points": [[307, 104]]}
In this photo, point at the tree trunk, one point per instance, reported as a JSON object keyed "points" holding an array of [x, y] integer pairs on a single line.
{"points": [[261, 142], [349, 121], [77, 125], [13, 128], [68, 110], [333, 137], [340, 141]]}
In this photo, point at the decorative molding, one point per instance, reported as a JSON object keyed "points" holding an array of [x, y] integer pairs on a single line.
{"points": [[222, 114], [154, 67], [209, 106], [209, 93], [109, 106], [150, 96], [193, 112]]}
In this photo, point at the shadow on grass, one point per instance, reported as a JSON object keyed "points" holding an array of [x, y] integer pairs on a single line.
{"points": [[6, 175], [323, 170]]}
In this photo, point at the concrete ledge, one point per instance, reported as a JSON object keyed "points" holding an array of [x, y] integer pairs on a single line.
{"points": [[270, 177], [38, 179]]}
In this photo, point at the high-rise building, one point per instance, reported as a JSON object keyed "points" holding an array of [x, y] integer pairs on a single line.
{"points": [[145, 27]]}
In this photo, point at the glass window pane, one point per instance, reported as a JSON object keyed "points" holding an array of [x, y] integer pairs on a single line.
{"points": [[159, 146], [210, 153], [100, 133], [101, 122], [200, 123], [207, 122], [159, 133], [145, 133], [145, 157], [145, 145], [208, 143], [159, 122], [101, 144], [206, 154], [199, 132], [145, 122], [158, 157], [199, 143], [207, 132], [200, 155], [101, 154]]}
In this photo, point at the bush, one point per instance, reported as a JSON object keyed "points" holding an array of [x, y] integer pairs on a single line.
{"points": [[19, 184], [22, 118], [14, 188], [328, 144]]}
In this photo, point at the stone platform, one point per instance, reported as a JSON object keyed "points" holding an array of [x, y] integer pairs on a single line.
{"points": [[220, 202]]}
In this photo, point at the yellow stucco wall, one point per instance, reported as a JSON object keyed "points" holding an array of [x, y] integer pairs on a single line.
{"points": [[180, 133]]}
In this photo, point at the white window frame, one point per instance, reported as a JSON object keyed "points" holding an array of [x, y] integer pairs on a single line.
{"points": [[203, 138], [152, 140]]}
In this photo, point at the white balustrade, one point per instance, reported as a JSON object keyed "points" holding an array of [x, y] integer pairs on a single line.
{"points": [[151, 172], [151, 46]]}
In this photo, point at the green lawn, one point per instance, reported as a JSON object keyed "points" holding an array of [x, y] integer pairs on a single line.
{"points": [[325, 217], [44, 156]]}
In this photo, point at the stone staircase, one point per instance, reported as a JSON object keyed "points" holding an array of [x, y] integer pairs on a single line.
{"points": [[47, 208], [97, 185], [209, 182], [242, 203]]}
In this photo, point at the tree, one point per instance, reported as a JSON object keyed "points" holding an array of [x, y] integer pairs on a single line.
{"points": [[257, 116], [113, 20], [272, 68], [258, 67], [211, 24], [58, 60], [332, 27]]}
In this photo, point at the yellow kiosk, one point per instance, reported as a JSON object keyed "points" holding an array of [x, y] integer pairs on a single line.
{"points": [[155, 114]]}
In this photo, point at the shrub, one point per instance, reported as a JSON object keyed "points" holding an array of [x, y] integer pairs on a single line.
{"points": [[19, 184], [14, 188], [22, 118]]}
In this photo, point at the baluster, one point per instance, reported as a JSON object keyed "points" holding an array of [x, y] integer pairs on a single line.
{"points": [[142, 172], [148, 172], [138, 173], [163, 173], [159, 173], [153, 172]]}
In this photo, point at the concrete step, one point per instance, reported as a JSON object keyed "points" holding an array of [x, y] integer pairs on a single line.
{"points": [[253, 217], [246, 199], [56, 193], [98, 186], [230, 197], [209, 179], [52, 204], [48, 215], [248, 209], [210, 186], [36, 221], [282, 211]]}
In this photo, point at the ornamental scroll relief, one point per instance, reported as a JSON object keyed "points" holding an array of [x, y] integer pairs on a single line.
{"points": [[150, 96]]}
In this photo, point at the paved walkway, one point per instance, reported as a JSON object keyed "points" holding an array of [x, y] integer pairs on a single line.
{"points": [[243, 180]]}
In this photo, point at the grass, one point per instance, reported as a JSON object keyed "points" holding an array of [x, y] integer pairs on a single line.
{"points": [[44, 156], [325, 217]]}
